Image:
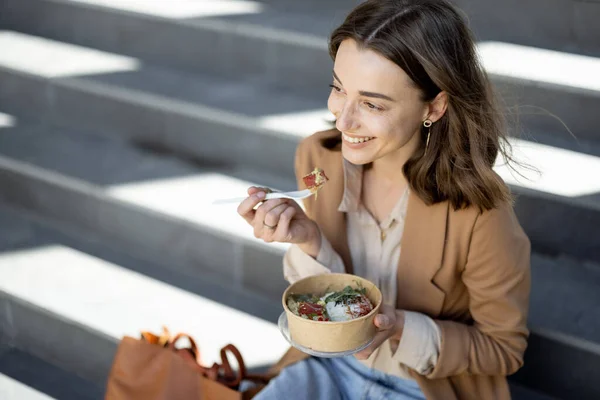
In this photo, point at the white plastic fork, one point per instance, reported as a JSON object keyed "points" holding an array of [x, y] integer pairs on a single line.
{"points": [[297, 195]]}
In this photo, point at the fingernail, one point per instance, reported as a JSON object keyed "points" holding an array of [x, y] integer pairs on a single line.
{"points": [[260, 195]]}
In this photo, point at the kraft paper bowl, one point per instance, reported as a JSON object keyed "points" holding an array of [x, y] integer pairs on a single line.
{"points": [[329, 336]]}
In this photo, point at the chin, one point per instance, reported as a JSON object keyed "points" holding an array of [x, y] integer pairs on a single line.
{"points": [[355, 157]]}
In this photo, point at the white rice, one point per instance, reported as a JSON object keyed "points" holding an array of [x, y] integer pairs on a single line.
{"points": [[338, 312]]}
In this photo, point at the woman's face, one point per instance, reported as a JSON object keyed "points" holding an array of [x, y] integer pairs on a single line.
{"points": [[378, 108]]}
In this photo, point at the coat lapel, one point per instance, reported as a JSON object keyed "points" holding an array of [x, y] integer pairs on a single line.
{"points": [[421, 253]]}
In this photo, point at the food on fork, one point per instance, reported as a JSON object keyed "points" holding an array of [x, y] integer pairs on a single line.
{"points": [[342, 305], [315, 180]]}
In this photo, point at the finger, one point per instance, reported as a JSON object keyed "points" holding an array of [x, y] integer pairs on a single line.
{"points": [[254, 189], [259, 218], [283, 234], [246, 207], [386, 318], [272, 217], [272, 220], [383, 322], [266, 207]]}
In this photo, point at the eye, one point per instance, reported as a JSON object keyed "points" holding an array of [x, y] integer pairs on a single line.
{"points": [[373, 106], [335, 88]]}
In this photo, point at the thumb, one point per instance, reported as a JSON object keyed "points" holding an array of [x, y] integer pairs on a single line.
{"points": [[382, 321]]}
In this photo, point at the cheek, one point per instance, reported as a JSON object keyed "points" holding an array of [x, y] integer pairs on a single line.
{"points": [[383, 128], [333, 104], [394, 131]]}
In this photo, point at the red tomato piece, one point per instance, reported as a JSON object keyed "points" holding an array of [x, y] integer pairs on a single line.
{"points": [[310, 308]]}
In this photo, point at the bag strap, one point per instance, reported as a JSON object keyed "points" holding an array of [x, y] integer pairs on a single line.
{"points": [[193, 349], [232, 379], [222, 373], [242, 372], [217, 372]]}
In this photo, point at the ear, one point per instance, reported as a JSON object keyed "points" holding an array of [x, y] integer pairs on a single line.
{"points": [[437, 107]]}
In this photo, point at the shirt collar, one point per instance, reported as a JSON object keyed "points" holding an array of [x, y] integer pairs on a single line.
{"points": [[352, 187]]}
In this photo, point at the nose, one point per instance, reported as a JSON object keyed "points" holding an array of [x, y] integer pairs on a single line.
{"points": [[346, 120]]}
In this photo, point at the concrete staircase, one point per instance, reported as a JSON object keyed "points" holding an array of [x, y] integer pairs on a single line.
{"points": [[122, 121]]}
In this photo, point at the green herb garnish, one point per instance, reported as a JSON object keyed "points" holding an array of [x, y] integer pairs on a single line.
{"points": [[345, 295]]}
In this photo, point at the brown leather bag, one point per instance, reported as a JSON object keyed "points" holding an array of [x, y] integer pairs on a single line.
{"points": [[153, 368]]}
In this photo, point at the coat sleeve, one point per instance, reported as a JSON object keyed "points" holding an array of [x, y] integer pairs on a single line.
{"points": [[497, 277]]}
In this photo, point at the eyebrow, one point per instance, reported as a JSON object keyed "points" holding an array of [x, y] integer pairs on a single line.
{"points": [[366, 94]]}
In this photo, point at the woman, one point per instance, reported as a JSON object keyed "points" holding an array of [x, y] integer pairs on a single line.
{"points": [[412, 204]]}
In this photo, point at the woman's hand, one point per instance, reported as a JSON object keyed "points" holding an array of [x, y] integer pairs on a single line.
{"points": [[280, 220], [390, 324]]}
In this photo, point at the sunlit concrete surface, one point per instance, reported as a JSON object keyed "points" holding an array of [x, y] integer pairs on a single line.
{"points": [[181, 8], [190, 198], [541, 65], [300, 124], [116, 301], [557, 171], [11, 389], [7, 121], [52, 59]]}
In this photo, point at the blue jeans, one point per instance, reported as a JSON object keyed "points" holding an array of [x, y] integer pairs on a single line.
{"points": [[338, 379]]}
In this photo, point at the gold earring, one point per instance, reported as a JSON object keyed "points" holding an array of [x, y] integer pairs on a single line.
{"points": [[427, 124]]}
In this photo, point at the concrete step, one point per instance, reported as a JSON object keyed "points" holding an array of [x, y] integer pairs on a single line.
{"points": [[273, 43], [560, 196], [26, 377], [30, 246], [187, 35], [46, 267], [166, 107], [11, 389], [519, 392], [159, 203], [545, 90], [110, 191], [49, 289], [196, 115], [267, 141], [183, 34], [564, 25]]}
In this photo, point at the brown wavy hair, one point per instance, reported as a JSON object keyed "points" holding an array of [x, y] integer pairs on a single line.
{"points": [[430, 41]]}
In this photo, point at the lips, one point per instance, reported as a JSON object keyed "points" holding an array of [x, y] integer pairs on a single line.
{"points": [[356, 140]]}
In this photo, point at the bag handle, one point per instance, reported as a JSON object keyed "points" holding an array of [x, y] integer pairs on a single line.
{"points": [[193, 349], [228, 377], [231, 379], [242, 372], [222, 373]]}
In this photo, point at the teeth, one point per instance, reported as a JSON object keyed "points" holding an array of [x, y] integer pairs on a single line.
{"points": [[356, 140]]}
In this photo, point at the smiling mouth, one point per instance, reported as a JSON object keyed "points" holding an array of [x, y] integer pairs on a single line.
{"points": [[356, 140]]}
